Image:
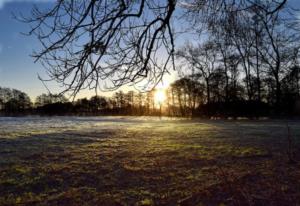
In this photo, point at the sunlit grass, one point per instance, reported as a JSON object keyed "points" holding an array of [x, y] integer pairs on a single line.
{"points": [[149, 163]]}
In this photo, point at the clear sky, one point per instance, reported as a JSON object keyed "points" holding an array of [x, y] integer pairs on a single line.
{"points": [[17, 69]]}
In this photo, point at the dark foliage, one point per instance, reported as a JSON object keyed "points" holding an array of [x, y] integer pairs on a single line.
{"points": [[184, 98]]}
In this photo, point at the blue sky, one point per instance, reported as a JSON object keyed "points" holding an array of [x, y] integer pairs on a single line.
{"points": [[17, 69]]}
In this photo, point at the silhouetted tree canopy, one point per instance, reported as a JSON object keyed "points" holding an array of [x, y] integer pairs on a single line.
{"points": [[85, 42], [185, 97], [44, 99], [12, 100]]}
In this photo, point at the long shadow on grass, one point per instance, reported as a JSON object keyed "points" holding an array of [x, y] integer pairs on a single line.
{"points": [[75, 168], [139, 167]]}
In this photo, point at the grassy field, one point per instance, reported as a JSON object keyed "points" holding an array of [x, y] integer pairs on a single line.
{"points": [[145, 161]]}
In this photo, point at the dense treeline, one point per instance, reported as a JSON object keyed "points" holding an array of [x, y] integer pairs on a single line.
{"points": [[184, 97], [14, 101]]}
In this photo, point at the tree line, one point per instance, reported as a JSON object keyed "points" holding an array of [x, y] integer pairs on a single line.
{"points": [[185, 97], [14, 101]]}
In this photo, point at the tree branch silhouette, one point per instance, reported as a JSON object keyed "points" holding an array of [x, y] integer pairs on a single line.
{"points": [[119, 42]]}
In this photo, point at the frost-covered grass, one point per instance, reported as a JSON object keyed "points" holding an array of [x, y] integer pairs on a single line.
{"points": [[147, 161]]}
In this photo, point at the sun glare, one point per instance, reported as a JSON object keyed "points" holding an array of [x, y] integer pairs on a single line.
{"points": [[160, 96], [160, 92]]}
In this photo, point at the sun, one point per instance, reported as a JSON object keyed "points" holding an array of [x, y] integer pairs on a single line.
{"points": [[160, 92], [160, 96]]}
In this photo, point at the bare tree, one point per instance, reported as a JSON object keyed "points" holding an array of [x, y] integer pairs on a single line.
{"points": [[85, 42], [202, 59], [280, 48]]}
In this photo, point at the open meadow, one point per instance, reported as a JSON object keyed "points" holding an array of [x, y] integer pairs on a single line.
{"points": [[148, 161]]}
